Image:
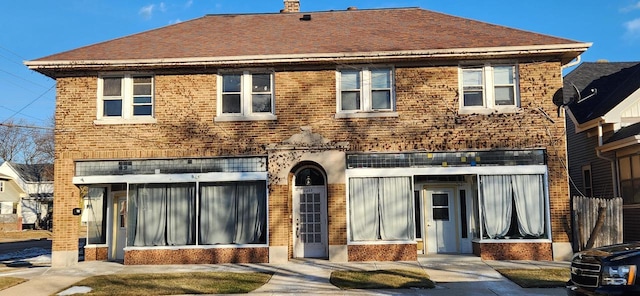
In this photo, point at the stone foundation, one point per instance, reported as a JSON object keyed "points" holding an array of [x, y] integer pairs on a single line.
{"points": [[403, 252], [196, 256], [513, 251]]}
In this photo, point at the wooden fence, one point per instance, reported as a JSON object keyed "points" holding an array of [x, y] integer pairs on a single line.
{"points": [[596, 221]]}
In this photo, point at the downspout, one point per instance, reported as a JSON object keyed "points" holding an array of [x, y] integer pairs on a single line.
{"points": [[614, 174], [573, 63]]}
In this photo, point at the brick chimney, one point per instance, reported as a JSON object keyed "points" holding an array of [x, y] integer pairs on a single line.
{"points": [[291, 6]]}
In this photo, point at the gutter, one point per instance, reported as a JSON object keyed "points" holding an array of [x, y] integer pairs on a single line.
{"points": [[320, 57], [614, 174]]}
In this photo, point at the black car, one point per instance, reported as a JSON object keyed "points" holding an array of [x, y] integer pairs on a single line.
{"points": [[610, 270]]}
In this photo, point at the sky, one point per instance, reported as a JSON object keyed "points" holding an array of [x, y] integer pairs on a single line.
{"points": [[31, 29]]}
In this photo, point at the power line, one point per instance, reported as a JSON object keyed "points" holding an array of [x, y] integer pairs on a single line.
{"points": [[26, 115], [26, 126], [30, 103], [23, 79]]}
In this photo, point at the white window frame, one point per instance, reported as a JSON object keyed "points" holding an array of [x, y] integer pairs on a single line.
{"points": [[246, 92], [488, 87], [366, 89], [127, 97]]}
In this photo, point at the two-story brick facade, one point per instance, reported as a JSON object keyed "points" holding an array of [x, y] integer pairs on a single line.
{"points": [[349, 135]]}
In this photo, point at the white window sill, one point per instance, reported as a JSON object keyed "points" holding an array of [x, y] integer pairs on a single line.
{"points": [[381, 242], [106, 121], [196, 247], [512, 241], [227, 118], [371, 114], [486, 111]]}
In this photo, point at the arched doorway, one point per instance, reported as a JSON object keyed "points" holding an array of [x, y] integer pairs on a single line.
{"points": [[310, 234]]}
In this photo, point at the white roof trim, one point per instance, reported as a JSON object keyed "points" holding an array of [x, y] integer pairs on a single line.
{"points": [[622, 143], [297, 58]]}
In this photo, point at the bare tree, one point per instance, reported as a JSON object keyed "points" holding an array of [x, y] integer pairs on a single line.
{"points": [[25, 143]]}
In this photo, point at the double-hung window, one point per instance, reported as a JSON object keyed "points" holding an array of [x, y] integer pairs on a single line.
{"points": [[125, 97], [490, 87], [246, 96], [365, 90]]}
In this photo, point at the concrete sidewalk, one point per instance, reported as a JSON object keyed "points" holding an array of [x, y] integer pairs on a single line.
{"points": [[454, 275]]}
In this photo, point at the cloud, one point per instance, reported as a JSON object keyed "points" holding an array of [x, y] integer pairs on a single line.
{"points": [[632, 7], [188, 4], [173, 22], [147, 11], [633, 28], [162, 7]]}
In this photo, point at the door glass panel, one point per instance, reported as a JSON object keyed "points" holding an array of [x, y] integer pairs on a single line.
{"points": [[441, 214], [441, 200]]}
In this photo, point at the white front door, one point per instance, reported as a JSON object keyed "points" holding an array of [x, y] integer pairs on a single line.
{"points": [[120, 226], [310, 238], [441, 222]]}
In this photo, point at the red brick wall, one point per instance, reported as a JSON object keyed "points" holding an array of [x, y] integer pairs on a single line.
{"points": [[513, 251], [427, 104], [196, 256], [383, 252]]}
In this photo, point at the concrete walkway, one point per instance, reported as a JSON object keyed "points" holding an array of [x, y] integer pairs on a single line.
{"points": [[454, 275]]}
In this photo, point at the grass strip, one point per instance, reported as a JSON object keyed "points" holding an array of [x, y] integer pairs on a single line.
{"points": [[174, 283], [7, 282], [537, 278], [382, 279]]}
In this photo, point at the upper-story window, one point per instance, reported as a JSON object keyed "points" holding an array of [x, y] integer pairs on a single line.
{"points": [[365, 90], [246, 96], [489, 87], [125, 97]]}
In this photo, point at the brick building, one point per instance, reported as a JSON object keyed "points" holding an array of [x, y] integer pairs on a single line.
{"points": [[348, 135]]}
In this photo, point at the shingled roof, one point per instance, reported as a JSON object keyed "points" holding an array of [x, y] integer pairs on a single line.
{"points": [[312, 35], [601, 87]]}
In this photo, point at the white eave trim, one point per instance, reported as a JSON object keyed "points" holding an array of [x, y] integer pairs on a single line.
{"points": [[622, 143], [324, 57], [593, 123]]}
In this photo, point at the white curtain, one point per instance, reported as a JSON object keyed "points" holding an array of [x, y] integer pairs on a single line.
{"points": [[396, 208], [180, 214], [151, 215], [217, 213], [381, 208], [363, 208], [251, 207], [232, 213], [496, 204], [529, 198]]}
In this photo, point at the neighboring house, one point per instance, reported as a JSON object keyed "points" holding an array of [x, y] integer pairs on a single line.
{"points": [[36, 180], [603, 135], [348, 135], [10, 196]]}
